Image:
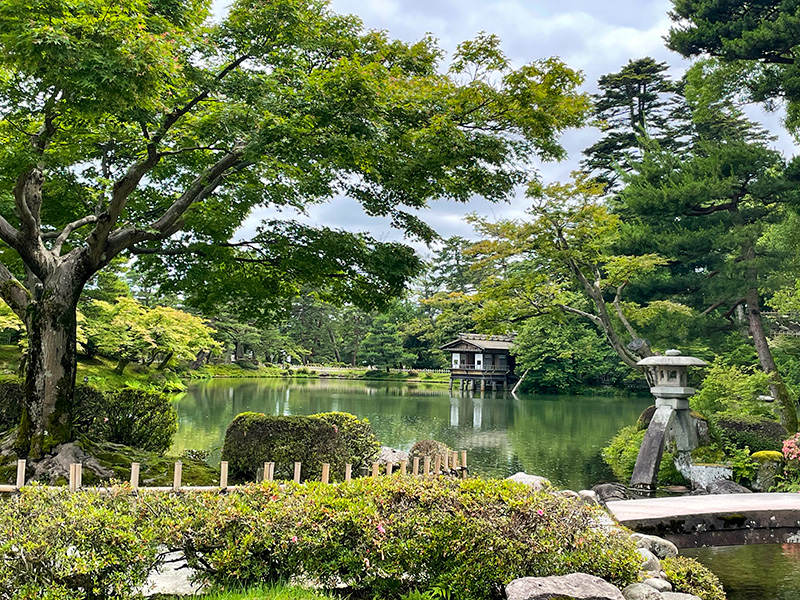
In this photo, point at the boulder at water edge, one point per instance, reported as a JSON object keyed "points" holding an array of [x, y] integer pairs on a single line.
{"points": [[577, 586], [536, 482], [724, 486]]}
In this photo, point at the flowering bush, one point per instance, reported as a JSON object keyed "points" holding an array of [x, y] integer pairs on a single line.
{"points": [[790, 480]]}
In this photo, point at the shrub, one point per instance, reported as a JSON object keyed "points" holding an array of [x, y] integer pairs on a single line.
{"points": [[789, 481], [430, 448], [389, 536], [623, 450], [690, 577], [139, 418], [731, 388], [61, 546], [255, 438], [362, 445], [754, 432]]}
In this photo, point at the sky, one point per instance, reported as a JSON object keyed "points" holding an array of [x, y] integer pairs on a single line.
{"points": [[594, 36]]}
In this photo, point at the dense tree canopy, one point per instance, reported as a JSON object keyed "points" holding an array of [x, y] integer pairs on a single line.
{"points": [[137, 128]]}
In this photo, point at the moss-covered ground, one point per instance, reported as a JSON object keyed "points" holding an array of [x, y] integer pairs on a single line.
{"points": [[268, 592]]}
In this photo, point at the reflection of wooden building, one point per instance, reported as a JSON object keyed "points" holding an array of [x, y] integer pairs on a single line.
{"points": [[481, 361]]}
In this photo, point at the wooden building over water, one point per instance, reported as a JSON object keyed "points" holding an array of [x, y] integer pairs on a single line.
{"points": [[481, 361]]}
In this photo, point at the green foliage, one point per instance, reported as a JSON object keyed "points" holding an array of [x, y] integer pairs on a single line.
{"points": [[750, 431], [688, 576], [10, 402], [733, 389], [383, 345], [563, 353], [255, 438], [136, 417], [389, 536], [359, 439], [62, 546], [623, 450]]}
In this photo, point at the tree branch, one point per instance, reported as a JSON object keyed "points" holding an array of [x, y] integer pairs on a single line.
{"points": [[67, 231], [13, 293]]}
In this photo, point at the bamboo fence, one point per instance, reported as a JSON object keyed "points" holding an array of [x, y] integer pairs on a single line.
{"points": [[453, 464]]}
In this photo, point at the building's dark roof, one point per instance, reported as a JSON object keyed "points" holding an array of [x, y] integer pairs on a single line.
{"points": [[480, 342]]}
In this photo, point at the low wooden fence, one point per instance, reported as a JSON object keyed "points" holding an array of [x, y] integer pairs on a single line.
{"points": [[453, 464]]}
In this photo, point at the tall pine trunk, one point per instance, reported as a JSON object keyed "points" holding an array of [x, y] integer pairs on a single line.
{"points": [[767, 361], [50, 368]]}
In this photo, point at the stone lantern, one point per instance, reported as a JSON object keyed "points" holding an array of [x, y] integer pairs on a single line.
{"points": [[671, 422]]}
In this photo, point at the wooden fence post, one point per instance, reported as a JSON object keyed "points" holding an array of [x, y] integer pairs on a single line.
{"points": [[269, 471], [21, 473], [75, 476], [223, 475], [403, 467], [297, 472], [135, 476], [348, 472], [437, 470], [326, 470], [426, 466], [376, 469], [176, 480], [445, 462], [415, 467], [389, 468]]}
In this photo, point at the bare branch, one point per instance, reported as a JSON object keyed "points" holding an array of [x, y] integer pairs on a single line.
{"points": [[67, 231]]}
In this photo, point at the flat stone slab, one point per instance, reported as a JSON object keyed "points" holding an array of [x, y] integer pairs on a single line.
{"points": [[690, 521]]}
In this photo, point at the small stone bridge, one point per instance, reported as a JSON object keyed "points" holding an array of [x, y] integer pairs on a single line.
{"points": [[714, 520]]}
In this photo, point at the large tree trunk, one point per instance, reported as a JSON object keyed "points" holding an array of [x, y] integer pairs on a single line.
{"points": [[767, 361], [50, 368]]}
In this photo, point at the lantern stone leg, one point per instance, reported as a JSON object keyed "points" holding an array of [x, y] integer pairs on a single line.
{"points": [[672, 422]]}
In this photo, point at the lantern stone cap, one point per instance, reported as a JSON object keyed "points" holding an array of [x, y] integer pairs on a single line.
{"points": [[672, 358]]}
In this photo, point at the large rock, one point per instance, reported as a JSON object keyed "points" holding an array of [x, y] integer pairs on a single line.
{"points": [[577, 586], [391, 455], [640, 591], [650, 561], [536, 482], [659, 546], [679, 596], [57, 465], [610, 491], [723, 486], [659, 585]]}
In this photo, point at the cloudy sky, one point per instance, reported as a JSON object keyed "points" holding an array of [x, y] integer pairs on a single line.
{"points": [[595, 36]]}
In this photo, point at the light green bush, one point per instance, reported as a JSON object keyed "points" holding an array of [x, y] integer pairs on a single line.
{"points": [[688, 576], [623, 450]]}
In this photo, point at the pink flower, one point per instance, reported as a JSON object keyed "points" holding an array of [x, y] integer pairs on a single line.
{"points": [[381, 529], [294, 539], [540, 512]]}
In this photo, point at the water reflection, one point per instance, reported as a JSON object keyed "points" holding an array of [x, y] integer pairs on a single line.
{"points": [[559, 437], [762, 571]]}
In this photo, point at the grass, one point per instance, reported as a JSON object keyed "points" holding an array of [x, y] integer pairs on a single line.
{"points": [[275, 591], [99, 372]]}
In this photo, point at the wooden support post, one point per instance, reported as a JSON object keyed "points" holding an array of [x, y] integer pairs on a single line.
{"points": [[437, 470], [415, 466], [446, 461], [483, 385], [176, 480], [376, 469], [326, 470], [73, 477], [389, 467], [269, 471], [348, 473], [223, 475], [464, 459], [454, 460], [404, 467], [426, 466], [297, 472], [21, 473], [135, 476]]}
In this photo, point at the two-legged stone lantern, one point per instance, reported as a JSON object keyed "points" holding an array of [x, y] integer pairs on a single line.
{"points": [[671, 422]]}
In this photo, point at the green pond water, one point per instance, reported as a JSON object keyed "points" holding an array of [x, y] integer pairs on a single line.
{"points": [[755, 572], [558, 437]]}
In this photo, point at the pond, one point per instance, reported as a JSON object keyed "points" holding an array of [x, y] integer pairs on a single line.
{"points": [[759, 571], [558, 437]]}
